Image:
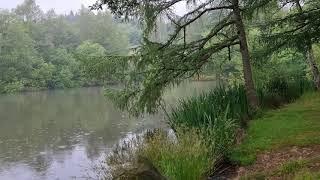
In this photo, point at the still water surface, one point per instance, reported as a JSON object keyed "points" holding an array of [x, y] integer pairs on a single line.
{"points": [[63, 134]]}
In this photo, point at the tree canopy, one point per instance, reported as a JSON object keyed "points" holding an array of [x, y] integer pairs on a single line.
{"points": [[159, 64], [40, 50], [162, 64]]}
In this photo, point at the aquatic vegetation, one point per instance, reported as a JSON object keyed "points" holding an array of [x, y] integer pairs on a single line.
{"points": [[190, 157], [207, 108], [189, 153]]}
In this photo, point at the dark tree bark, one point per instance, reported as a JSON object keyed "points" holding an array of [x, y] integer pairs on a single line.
{"points": [[310, 55], [313, 66], [247, 71]]}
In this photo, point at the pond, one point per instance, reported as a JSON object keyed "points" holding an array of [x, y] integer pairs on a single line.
{"points": [[63, 134]]}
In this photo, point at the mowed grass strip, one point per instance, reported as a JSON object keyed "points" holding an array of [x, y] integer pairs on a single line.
{"points": [[297, 124]]}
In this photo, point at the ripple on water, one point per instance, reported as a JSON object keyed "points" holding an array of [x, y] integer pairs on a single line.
{"points": [[67, 131]]}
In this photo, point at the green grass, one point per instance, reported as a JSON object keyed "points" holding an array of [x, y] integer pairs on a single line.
{"points": [[190, 158], [292, 166], [195, 153], [297, 124], [306, 175]]}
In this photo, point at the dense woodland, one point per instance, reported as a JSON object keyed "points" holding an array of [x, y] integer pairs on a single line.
{"points": [[45, 50]]}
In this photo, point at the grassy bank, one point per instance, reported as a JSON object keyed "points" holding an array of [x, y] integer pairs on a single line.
{"points": [[296, 124], [206, 129], [283, 143]]}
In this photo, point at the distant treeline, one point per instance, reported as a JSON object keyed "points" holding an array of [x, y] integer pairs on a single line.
{"points": [[44, 50]]}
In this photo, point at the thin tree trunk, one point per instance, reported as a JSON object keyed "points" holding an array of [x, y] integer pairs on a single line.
{"points": [[314, 67], [247, 71], [310, 55]]}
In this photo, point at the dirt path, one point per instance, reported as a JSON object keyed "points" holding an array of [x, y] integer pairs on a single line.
{"points": [[270, 165]]}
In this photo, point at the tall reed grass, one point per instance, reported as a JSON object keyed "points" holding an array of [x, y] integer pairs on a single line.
{"points": [[206, 108], [188, 158], [205, 129], [191, 153]]}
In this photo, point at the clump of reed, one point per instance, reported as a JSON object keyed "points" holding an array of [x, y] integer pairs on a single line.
{"points": [[206, 109], [187, 153]]}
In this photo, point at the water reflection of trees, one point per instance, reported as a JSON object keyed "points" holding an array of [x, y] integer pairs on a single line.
{"points": [[37, 126]]}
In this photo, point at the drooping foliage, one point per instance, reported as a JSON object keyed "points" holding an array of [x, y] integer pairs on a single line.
{"points": [[160, 64], [293, 26]]}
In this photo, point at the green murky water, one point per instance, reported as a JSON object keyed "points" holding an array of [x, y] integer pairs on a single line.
{"points": [[62, 134]]}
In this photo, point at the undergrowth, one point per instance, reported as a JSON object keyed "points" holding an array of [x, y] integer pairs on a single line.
{"points": [[205, 129]]}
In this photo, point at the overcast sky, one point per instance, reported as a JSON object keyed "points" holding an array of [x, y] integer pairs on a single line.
{"points": [[60, 6], [63, 6]]}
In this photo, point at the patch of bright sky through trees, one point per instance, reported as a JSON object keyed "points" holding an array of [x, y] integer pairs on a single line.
{"points": [[65, 6]]}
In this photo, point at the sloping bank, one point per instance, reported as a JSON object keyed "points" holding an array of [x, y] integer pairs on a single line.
{"points": [[206, 128], [283, 144]]}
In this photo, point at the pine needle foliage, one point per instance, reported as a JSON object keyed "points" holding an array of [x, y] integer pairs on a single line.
{"points": [[157, 66], [290, 28]]}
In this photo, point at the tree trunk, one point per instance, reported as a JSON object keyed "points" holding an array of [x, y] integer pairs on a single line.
{"points": [[310, 55], [313, 66], [247, 71]]}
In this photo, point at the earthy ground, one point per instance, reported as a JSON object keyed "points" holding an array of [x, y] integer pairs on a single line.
{"points": [[283, 144], [282, 164]]}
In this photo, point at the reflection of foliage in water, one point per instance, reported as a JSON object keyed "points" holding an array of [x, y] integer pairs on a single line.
{"points": [[37, 125], [40, 128]]}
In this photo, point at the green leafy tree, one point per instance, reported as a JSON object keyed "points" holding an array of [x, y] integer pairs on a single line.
{"points": [[90, 55], [296, 28], [95, 60], [29, 11], [65, 68], [56, 32], [18, 53], [161, 64], [37, 48], [102, 29], [42, 76]]}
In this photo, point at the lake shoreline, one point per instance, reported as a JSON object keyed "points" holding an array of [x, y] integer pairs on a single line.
{"points": [[61, 133]]}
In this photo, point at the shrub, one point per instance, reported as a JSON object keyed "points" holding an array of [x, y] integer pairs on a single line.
{"points": [[13, 87], [279, 91]]}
